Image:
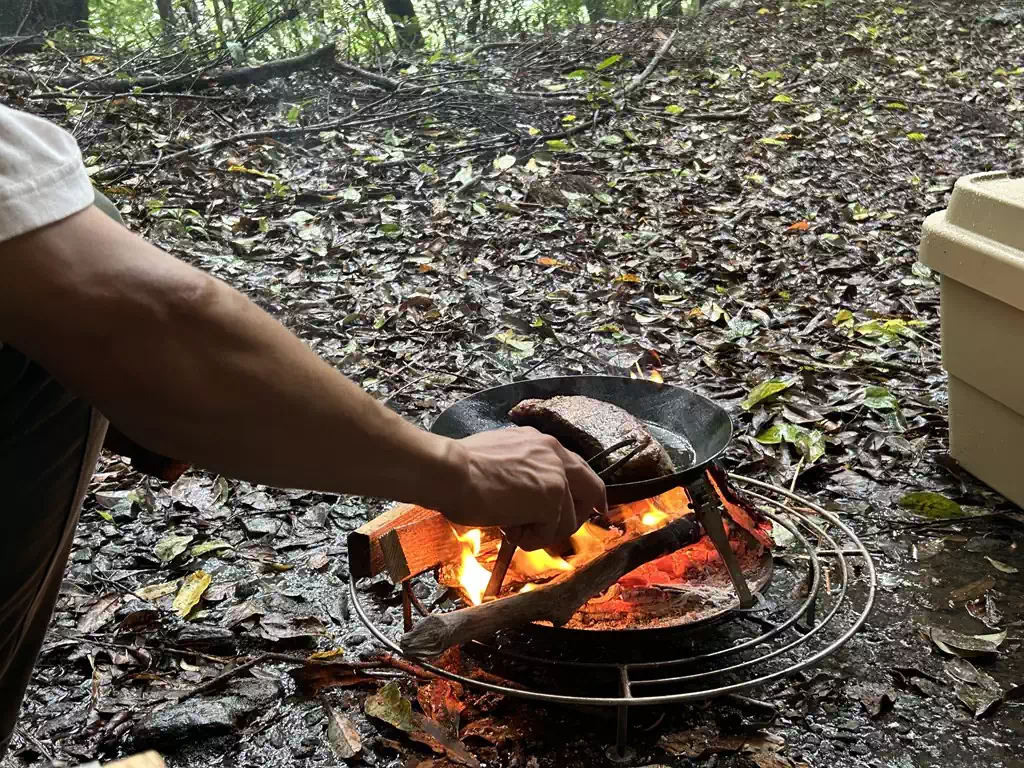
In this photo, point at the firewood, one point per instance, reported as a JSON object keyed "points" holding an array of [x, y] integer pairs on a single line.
{"points": [[556, 602], [424, 537], [149, 759]]}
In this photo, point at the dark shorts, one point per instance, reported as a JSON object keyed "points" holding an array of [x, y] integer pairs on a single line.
{"points": [[49, 442]]}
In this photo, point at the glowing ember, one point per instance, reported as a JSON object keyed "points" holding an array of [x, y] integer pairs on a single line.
{"points": [[473, 577]]}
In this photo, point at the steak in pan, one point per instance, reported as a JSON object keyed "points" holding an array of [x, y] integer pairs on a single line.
{"points": [[587, 426]]}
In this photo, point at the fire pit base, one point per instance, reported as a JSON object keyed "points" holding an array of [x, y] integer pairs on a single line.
{"points": [[826, 596]]}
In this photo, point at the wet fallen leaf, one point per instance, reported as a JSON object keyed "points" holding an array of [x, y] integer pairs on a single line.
{"points": [[958, 644], [170, 547], [389, 705], [240, 612], [156, 591], [430, 733], [491, 730], [972, 591], [209, 546], [313, 678], [279, 627], [100, 612], [439, 700], [342, 735], [933, 505], [191, 592], [1001, 566], [764, 390]]}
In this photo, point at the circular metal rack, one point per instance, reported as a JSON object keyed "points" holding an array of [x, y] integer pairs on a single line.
{"points": [[788, 633]]}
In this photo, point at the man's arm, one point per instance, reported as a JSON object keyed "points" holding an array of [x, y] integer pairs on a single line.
{"points": [[185, 365]]}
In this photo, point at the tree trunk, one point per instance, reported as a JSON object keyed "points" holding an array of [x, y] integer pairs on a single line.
{"points": [[595, 10], [166, 10], [407, 26], [27, 17], [473, 25]]}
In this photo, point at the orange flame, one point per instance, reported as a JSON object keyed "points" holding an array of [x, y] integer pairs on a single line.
{"points": [[473, 577], [538, 563], [654, 375]]}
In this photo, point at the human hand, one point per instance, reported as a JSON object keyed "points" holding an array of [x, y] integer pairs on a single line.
{"points": [[524, 481]]}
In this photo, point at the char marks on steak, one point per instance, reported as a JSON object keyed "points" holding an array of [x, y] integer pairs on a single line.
{"points": [[587, 426]]}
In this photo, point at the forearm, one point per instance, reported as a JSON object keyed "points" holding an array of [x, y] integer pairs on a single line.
{"points": [[187, 366]]}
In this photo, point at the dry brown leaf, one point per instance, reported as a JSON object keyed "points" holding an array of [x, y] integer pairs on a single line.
{"points": [[99, 613], [342, 735]]}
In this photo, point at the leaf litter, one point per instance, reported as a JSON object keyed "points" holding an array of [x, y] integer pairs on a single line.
{"points": [[779, 246]]}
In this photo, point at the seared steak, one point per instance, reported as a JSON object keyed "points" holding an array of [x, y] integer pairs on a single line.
{"points": [[587, 426]]}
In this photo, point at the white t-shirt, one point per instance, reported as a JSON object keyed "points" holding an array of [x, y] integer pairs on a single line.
{"points": [[42, 178]]}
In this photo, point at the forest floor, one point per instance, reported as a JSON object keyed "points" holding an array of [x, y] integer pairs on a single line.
{"points": [[750, 214]]}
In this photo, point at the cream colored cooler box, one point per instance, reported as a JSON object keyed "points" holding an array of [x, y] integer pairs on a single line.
{"points": [[977, 244]]}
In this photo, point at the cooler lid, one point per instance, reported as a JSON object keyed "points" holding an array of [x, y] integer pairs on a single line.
{"points": [[979, 239]]}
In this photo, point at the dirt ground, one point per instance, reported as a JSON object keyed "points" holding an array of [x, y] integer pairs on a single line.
{"points": [[747, 224]]}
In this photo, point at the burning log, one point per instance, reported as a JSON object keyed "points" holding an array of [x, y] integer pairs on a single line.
{"points": [[556, 602]]}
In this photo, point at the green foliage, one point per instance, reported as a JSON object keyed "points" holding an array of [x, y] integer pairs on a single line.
{"points": [[360, 27]]}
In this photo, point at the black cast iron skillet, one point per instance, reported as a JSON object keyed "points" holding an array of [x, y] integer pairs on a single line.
{"points": [[694, 430]]}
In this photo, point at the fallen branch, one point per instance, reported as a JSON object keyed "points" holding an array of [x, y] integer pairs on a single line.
{"points": [[490, 46], [556, 602], [326, 57], [640, 79], [12, 46], [275, 133]]}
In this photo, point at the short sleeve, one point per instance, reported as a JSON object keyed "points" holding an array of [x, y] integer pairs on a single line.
{"points": [[42, 178]]}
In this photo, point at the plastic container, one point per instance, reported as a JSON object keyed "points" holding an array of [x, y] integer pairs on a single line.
{"points": [[977, 244]]}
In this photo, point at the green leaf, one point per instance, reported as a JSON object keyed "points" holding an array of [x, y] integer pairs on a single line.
{"points": [[557, 144], [352, 195], [897, 105], [809, 442], [916, 136], [293, 113], [1001, 566], [764, 390], [782, 98], [480, 208], [389, 705], [209, 546], [426, 170], [879, 399], [933, 505], [504, 162], [170, 547], [843, 317], [612, 139], [191, 591], [771, 76], [389, 227], [608, 62], [779, 432], [578, 74], [772, 142], [465, 174], [603, 197], [673, 109], [156, 591], [105, 515]]}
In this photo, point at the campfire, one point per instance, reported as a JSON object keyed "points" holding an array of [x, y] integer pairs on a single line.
{"points": [[680, 586]]}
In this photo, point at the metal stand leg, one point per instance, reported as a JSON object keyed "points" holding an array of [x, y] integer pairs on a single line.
{"points": [[622, 753], [709, 515], [407, 605]]}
